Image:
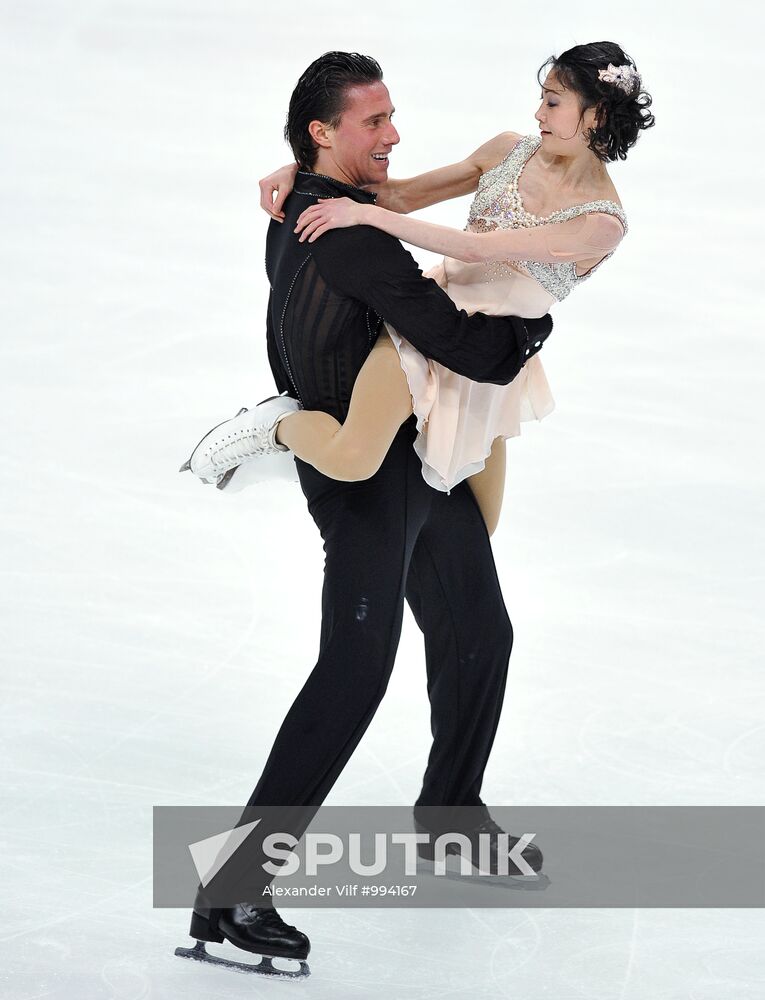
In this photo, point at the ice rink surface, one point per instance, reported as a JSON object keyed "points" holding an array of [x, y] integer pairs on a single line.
{"points": [[155, 631]]}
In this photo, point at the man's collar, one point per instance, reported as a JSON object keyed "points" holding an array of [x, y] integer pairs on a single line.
{"points": [[323, 186]]}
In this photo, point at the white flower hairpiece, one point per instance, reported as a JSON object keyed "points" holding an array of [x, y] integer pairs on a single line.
{"points": [[620, 76]]}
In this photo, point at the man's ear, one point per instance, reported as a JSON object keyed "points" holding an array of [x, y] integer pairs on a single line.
{"points": [[321, 134]]}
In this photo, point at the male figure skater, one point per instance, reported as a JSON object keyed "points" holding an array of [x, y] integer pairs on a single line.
{"points": [[391, 536]]}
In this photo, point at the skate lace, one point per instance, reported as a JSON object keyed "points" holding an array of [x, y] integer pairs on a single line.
{"points": [[268, 915], [237, 447], [489, 826]]}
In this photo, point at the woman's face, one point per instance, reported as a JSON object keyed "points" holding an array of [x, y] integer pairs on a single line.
{"points": [[558, 115]]}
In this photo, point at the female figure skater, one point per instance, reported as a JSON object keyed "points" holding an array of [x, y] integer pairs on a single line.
{"points": [[545, 216]]}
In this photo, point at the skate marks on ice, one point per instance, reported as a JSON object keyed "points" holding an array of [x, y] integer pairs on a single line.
{"points": [[265, 967]]}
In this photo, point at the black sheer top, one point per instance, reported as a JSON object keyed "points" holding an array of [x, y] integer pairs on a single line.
{"points": [[328, 300]]}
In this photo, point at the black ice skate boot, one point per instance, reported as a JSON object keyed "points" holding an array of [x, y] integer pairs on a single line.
{"points": [[255, 929], [497, 853]]}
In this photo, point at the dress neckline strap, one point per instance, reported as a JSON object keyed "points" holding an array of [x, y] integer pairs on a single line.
{"points": [[526, 147]]}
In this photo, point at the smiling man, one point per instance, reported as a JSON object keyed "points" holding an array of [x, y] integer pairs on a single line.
{"points": [[355, 146], [390, 537]]}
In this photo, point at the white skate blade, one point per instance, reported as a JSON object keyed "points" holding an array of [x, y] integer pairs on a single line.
{"points": [[262, 469], [265, 967]]}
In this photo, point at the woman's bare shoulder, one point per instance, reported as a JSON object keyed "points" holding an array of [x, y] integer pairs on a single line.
{"points": [[495, 150], [608, 193]]}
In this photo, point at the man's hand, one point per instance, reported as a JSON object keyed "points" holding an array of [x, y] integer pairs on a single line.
{"points": [[331, 213], [279, 183]]}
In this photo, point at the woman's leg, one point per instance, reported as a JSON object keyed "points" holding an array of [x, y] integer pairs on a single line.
{"points": [[488, 485], [355, 449]]}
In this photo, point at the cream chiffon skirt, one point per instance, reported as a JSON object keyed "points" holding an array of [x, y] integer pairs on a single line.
{"points": [[458, 419]]}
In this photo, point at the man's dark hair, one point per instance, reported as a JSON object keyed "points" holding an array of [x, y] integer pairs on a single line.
{"points": [[620, 116], [320, 95]]}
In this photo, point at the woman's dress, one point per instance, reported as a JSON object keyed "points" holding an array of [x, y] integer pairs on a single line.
{"points": [[458, 419]]}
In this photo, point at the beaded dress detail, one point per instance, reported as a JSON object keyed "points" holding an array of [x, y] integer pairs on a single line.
{"points": [[458, 419], [498, 204]]}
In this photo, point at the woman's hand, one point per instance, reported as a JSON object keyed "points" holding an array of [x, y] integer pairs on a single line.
{"points": [[280, 183], [330, 213]]}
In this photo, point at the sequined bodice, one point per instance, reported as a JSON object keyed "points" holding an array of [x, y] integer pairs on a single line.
{"points": [[498, 205]]}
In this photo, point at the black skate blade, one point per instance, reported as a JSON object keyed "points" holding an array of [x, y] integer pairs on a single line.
{"points": [[264, 967], [528, 883]]}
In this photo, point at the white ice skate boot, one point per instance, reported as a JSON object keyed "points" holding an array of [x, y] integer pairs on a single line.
{"points": [[247, 435]]}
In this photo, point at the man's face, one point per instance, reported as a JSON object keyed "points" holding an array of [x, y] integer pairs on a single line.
{"points": [[358, 148]]}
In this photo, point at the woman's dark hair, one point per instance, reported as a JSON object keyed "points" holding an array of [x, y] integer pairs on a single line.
{"points": [[320, 96], [620, 116]]}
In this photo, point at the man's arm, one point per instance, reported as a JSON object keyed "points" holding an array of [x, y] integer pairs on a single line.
{"points": [[374, 268]]}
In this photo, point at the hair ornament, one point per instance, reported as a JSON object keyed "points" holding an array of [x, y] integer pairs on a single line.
{"points": [[621, 76]]}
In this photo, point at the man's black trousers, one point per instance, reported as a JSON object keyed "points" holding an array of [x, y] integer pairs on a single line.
{"points": [[389, 538]]}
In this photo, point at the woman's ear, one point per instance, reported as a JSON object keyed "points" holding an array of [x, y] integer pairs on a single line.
{"points": [[593, 117]]}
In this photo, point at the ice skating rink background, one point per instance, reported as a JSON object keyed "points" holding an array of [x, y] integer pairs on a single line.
{"points": [[155, 631]]}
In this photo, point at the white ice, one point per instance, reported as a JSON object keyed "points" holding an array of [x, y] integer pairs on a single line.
{"points": [[155, 631]]}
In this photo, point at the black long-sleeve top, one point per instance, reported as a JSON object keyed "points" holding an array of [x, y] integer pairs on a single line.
{"points": [[328, 300]]}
